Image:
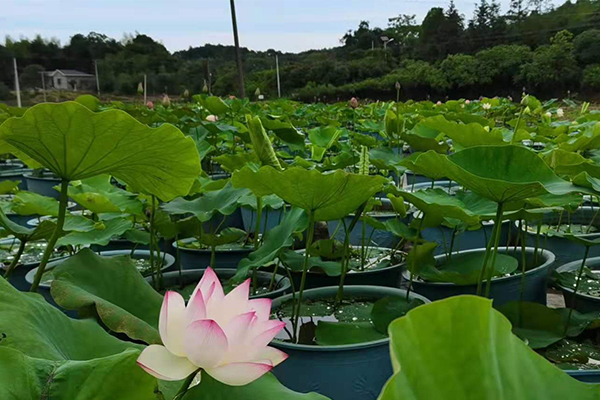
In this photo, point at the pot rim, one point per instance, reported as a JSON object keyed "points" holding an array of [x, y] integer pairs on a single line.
{"points": [[577, 263], [169, 261], [246, 248], [29, 175], [379, 291], [370, 271], [585, 235], [284, 282], [547, 254]]}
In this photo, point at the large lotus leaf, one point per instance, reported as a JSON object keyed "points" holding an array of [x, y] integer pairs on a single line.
{"points": [[286, 132], [47, 355], [224, 201], [436, 205], [569, 201], [329, 196], [588, 139], [275, 240], [30, 203], [265, 388], [111, 288], [8, 186], [424, 164], [98, 195], [89, 101], [214, 104], [424, 138], [584, 179], [101, 235], [386, 158], [226, 236], [471, 355], [233, 162], [295, 261], [76, 143], [500, 173], [463, 135], [43, 230]]}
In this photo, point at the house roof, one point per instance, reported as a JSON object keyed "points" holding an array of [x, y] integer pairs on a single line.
{"points": [[69, 72]]}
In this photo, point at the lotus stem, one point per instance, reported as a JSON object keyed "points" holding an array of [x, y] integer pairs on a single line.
{"points": [[579, 274], [309, 239], [537, 244], [414, 261], [498, 228], [272, 283], [259, 208], [186, 385], [523, 260], [16, 260], [488, 250], [346, 255], [593, 219], [512, 141], [58, 230]]}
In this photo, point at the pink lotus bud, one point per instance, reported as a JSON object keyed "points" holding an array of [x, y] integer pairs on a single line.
{"points": [[467, 102], [439, 103], [226, 336], [150, 105], [354, 102], [166, 101], [212, 118], [231, 97]]}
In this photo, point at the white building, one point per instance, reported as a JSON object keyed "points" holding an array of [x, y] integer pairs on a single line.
{"points": [[70, 79]]}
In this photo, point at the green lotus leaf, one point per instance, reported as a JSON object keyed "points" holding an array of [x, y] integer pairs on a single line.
{"points": [[471, 355], [286, 132], [500, 173], [99, 196], [465, 269], [424, 138], [214, 104], [44, 352], [89, 101], [76, 143], [275, 240], [261, 143], [436, 205], [224, 201], [29, 203], [588, 139], [112, 289], [101, 235], [233, 162], [329, 196], [42, 231], [424, 164], [8, 186]]}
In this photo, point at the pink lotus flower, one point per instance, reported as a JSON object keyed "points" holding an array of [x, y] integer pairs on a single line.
{"points": [[354, 102], [150, 105], [467, 102], [439, 103], [212, 118], [231, 97], [226, 336]]}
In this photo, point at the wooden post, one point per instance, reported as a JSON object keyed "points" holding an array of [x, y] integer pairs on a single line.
{"points": [[145, 91], [238, 52], [278, 81], [43, 73], [17, 87], [97, 79]]}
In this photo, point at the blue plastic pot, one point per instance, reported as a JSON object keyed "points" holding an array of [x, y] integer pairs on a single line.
{"points": [[200, 258], [583, 302], [388, 276], [43, 185], [503, 290], [585, 376], [191, 276], [467, 240], [565, 250], [445, 185], [348, 372], [272, 218], [15, 174], [378, 237]]}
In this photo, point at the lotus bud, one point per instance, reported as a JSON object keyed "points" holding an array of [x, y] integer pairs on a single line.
{"points": [[150, 105], [354, 102], [548, 115], [439, 103], [231, 97], [205, 88], [261, 96], [212, 118], [398, 86], [186, 94], [467, 102], [140, 89], [257, 92], [226, 336], [166, 101], [560, 113], [525, 100], [486, 106]]}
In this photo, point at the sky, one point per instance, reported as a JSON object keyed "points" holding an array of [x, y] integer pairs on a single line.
{"points": [[285, 25]]}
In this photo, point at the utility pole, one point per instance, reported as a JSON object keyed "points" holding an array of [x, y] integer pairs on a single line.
{"points": [[97, 79], [17, 88], [278, 81], [43, 74], [238, 52], [145, 90]]}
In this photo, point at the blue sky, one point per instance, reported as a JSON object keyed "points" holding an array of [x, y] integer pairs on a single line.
{"points": [[286, 25]]}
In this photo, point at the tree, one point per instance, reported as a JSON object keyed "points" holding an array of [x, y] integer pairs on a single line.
{"points": [[31, 76], [517, 11], [587, 46]]}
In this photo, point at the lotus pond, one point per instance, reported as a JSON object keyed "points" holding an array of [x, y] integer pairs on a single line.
{"points": [[217, 249]]}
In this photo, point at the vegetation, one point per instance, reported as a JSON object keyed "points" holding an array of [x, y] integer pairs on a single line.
{"points": [[547, 50]]}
